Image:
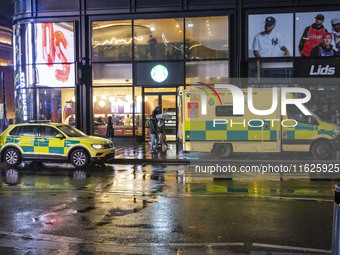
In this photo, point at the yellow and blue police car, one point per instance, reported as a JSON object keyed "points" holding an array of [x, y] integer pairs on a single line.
{"points": [[53, 142]]}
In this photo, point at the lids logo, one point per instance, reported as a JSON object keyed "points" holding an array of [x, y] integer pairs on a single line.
{"points": [[327, 70]]}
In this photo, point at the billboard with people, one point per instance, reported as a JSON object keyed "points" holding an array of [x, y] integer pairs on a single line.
{"points": [[270, 35], [317, 34]]}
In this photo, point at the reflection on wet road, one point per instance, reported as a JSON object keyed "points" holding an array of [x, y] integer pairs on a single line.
{"points": [[153, 209]]}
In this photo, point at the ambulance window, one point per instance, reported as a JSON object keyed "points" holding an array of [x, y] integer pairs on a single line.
{"points": [[295, 113], [15, 131], [50, 132], [29, 131], [224, 110]]}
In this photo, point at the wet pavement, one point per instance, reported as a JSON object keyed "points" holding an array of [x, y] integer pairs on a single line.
{"points": [[134, 153], [159, 209]]}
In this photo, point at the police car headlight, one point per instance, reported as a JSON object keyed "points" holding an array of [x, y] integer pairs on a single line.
{"points": [[98, 146]]}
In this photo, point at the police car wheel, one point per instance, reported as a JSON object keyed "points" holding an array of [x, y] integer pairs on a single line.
{"points": [[321, 150], [223, 150], [12, 157], [79, 158]]}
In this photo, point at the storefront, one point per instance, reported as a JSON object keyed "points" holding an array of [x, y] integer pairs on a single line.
{"points": [[122, 59]]}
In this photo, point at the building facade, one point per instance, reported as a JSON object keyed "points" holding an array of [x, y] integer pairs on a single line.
{"points": [[81, 61], [6, 71]]}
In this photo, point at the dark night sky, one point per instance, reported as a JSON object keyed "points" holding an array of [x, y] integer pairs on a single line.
{"points": [[6, 12]]}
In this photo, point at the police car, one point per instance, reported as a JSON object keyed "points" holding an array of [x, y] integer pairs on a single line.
{"points": [[52, 142]]}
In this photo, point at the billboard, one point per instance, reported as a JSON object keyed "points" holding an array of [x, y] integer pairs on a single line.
{"points": [[270, 35], [54, 56], [310, 34]]}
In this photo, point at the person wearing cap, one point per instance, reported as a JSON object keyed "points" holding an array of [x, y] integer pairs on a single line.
{"points": [[324, 49], [269, 43], [312, 36], [336, 32]]}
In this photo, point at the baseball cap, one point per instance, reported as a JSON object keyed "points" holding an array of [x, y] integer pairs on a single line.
{"points": [[335, 21], [270, 20], [320, 17]]}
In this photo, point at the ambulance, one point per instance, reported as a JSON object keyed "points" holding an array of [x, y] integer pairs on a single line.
{"points": [[262, 120]]}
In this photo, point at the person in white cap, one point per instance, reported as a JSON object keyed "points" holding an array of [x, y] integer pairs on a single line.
{"points": [[336, 32], [269, 43]]}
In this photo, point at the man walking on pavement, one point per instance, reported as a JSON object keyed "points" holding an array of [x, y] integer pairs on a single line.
{"points": [[312, 36]]}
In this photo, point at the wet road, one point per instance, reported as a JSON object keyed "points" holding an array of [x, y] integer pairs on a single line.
{"points": [[157, 209]]}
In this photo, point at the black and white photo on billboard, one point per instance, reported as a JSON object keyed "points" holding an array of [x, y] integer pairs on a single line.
{"points": [[317, 34], [270, 35]]}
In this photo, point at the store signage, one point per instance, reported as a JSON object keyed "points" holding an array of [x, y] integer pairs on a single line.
{"points": [[159, 73], [316, 67], [320, 70]]}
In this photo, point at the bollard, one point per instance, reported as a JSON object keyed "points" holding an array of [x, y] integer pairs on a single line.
{"points": [[336, 221]]}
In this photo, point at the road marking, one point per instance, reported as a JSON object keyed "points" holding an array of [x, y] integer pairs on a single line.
{"points": [[44, 237], [63, 239], [186, 244], [291, 248]]}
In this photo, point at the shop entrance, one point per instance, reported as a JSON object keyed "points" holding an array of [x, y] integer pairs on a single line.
{"points": [[167, 99]]}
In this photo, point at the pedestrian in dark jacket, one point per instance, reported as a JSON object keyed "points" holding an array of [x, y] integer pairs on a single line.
{"points": [[109, 130], [153, 133]]}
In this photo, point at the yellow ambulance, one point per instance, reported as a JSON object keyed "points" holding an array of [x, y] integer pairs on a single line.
{"points": [[53, 142], [209, 123]]}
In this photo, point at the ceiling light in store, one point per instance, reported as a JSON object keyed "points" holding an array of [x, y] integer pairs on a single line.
{"points": [[102, 103], [104, 97], [177, 25], [152, 29], [190, 25], [118, 41]]}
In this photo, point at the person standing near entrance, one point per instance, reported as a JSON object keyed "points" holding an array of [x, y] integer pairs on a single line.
{"points": [[109, 130], [153, 133], [161, 134], [312, 36]]}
